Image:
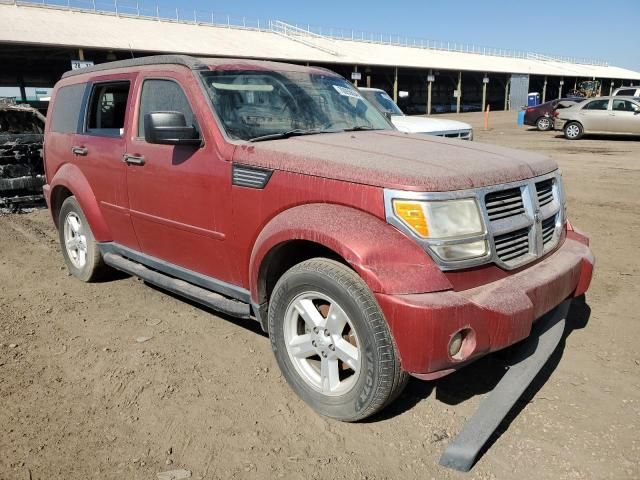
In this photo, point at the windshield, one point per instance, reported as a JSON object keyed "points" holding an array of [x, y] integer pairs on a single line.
{"points": [[382, 101], [255, 104]]}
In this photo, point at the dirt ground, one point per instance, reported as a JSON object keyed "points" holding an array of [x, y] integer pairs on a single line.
{"points": [[81, 398]]}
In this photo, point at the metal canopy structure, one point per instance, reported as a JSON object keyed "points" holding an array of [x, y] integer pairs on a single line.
{"points": [[46, 25]]}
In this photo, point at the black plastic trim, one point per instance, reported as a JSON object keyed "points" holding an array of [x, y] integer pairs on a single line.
{"points": [[209, 283], [185, 60], [249, 176], [175, 285]]}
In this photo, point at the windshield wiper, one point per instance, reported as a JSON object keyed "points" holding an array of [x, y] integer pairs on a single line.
{"points": [[287, 134]]}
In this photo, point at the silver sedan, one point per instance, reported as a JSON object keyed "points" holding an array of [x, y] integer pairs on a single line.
{"points": [[601, 115]]}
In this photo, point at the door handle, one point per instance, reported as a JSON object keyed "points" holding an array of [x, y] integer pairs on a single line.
{"points": [[82, 151], [133, 159]]}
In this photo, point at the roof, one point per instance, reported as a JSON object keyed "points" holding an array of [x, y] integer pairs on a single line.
{"points": [[88, 29], [194, 63]]}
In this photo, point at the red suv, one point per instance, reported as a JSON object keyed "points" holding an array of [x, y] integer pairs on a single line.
{"points": [[276, 192]]}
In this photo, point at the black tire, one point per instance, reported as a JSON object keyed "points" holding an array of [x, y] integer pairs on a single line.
{"points": [[93, 268], [380, 379], [573, 131], [544, 124]]}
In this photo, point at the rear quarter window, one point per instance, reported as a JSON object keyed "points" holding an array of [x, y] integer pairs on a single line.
{"points": [[65, 117]]}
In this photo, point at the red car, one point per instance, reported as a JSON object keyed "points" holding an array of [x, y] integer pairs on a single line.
{"points": [[276, 192], [542, 116]]}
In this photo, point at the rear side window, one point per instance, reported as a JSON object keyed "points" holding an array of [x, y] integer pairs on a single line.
{"points": [[624, 106], [597, 105], [627, 93], [163, 96], [66, 114], [107, 108]]}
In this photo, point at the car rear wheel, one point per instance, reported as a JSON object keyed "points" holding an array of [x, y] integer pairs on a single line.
{"points": [[79, 247], [331, 341], [544, 124], [573, 131]]}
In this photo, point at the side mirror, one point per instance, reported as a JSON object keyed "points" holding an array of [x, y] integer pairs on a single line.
{"points": [[387, 114], [169, 128]]}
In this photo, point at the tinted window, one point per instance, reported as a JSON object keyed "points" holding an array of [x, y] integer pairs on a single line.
{"points": [[108, 108], [65, 117], [624, 106], [163, 96], [597, 105], [627, 93]]}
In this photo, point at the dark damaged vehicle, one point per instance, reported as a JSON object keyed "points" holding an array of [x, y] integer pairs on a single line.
{"points": [[277, 192], [21, 167]]}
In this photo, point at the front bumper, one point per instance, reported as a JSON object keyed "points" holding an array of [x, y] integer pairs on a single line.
{"points": [[494, 315]]}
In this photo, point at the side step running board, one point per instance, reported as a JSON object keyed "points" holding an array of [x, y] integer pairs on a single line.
{"points": [[528, 361], [182, 288]]}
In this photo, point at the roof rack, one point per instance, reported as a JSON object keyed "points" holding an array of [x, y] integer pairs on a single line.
{"points": [[185, 60]]}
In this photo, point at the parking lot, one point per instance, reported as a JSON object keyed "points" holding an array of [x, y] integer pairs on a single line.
{"points": [[120, 380]]}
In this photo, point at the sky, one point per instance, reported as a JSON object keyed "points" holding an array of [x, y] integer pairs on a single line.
{"points": [[585, 28]]}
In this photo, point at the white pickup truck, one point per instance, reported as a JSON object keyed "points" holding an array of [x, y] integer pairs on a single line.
{"points": [[431, 126]]}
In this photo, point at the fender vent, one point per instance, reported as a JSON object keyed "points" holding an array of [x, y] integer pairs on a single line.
{"points": [[251, 177]]}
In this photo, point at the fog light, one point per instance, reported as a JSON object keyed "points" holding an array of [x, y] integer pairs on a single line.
{"points": [[455, 344]]}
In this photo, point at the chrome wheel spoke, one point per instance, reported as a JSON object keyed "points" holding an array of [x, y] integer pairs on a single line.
{"points": [[348, 354], [309, 313], [336, 319], [74, 223], [301, 346], [329, 374]]}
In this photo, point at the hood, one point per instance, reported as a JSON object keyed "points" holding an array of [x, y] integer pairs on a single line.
{"points": [[427, 125], [392, 159]]}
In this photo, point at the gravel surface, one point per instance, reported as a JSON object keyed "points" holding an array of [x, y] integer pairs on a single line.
{"points": [[120, 380]]}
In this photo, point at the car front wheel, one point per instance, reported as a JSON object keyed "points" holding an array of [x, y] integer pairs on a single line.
{"points": [[573, 131], [331, 341]]}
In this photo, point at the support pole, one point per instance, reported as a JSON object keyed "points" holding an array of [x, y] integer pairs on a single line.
{"points": [[23, 90], [560, 89], [368, 81], [355, 82], [395, 85], [506, 95], [459, 92], [484, 93], [80, 54], [611, 88], [544, 90], [429, 85]]}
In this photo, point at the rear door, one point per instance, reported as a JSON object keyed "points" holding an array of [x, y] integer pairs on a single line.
{"points": [[179, 195], [98, 148], [625, 116], [594, 116]]}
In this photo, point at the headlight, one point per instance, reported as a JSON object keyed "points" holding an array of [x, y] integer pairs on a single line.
{"points": [[450, 227]]}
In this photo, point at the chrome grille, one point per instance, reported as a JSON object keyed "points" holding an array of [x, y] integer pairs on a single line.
{"points": [[548, 230], [523, 219], [512, 245], [544, 191], [503, 204]]}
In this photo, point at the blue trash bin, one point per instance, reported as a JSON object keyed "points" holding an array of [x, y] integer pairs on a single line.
{"points": [[521, 118], [533, 99]]}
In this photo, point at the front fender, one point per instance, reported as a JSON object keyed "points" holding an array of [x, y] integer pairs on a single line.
{"points": [[387, 260], [71, 177]]}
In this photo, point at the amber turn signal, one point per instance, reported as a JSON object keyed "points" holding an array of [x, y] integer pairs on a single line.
{"points": [[413, 215]]}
